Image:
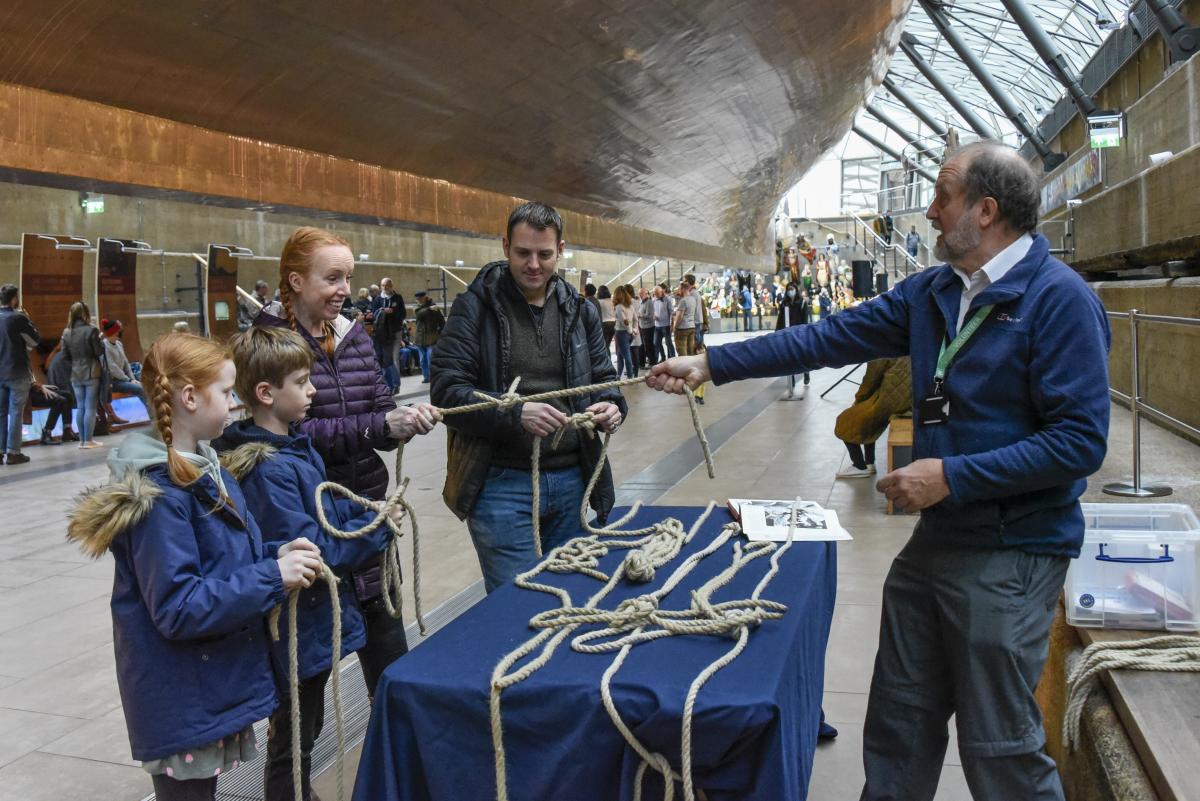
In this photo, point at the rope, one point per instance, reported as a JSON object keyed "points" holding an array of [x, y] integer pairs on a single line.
{"points": [[294, 677], [1170, 653], [665, 541], [582, 421]]}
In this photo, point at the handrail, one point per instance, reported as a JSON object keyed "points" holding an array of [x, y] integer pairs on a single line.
{"points": [[1139, 408], [909, 261]]}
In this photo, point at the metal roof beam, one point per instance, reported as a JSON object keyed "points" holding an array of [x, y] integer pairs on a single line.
{"points": [[1050, 159], [1181, 39], [878, 144], [908, 44], [915, 107], [1050, 53], [882, 116]]}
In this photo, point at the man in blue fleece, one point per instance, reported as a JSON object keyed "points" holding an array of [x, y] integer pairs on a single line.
{"points": [[1010, 389]]}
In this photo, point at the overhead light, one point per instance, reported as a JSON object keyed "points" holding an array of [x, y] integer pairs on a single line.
{"points": [[74, 243], [237, 251], [364, 256]]}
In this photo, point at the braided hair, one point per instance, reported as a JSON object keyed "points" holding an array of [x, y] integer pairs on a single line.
{"points": [[174, 360], [297, 257]]}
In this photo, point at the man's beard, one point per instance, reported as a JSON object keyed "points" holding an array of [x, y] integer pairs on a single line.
{"points": [[956, 243]]}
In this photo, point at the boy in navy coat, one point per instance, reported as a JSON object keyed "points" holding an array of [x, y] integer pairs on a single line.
{"points": [[279, 470]]}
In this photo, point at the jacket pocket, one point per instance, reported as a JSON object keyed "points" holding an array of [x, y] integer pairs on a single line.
{"points": [[231, 668]]}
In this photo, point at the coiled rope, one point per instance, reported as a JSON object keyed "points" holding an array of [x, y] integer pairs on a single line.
{"points": [[666, 539], [1170, 653]]}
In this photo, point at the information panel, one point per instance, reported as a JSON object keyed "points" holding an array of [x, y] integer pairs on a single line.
{"points": [[220, 294], [116, 291], [51, 280]]}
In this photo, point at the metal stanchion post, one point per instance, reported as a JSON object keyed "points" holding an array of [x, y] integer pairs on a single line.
{"points": [[1135, 490], [791, 393]]}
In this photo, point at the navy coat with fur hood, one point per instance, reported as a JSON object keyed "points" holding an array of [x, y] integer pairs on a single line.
{"points": [[192, 588], [279, 476]]}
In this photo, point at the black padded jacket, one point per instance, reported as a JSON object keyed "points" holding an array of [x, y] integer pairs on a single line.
{"points": [[474, 352]]}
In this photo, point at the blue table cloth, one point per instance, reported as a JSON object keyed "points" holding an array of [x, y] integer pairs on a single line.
{"points": [[755, 724]]}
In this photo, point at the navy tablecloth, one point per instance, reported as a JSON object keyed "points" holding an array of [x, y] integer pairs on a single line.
{"points": [[755, 725]]}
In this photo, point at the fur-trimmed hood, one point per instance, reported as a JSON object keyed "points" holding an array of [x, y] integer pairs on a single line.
{"points": [[244, 458], [101, 514]]}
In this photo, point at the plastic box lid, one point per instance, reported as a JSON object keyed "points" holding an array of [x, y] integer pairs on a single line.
{"points": [[1136, 522]]}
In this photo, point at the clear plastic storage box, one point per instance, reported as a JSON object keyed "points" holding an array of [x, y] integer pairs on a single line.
{"points": [[1138, 568]]}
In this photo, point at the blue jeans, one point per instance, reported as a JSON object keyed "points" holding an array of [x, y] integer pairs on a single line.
{"points": [[426, 352], [13, 394], [625, 355], [391, 376], [746, 319], [132, 388], [85, 407], [501, 522], [664, 346]]}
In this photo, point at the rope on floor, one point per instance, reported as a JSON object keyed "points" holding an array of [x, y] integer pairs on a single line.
{"points": [[1169, 653]]}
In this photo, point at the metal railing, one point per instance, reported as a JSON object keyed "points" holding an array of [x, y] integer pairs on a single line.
{"points": [[1138, 408], [891, 255]]}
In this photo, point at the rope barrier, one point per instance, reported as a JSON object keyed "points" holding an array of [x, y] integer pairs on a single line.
{"points": [[1170, 653]]}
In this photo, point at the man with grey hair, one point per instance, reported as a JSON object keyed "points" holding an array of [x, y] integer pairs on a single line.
{"points": [[1010, 388]]}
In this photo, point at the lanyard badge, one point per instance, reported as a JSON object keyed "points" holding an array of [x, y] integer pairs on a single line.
{"points": [[935, 409]]}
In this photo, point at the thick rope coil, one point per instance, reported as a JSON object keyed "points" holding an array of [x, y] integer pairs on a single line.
{"points": [[293, 600], [1169, 653]]}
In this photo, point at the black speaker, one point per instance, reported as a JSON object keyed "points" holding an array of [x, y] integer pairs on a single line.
{"points": [[862, 278]]}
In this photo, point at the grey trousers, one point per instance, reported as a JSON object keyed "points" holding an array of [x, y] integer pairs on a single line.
{"points": [[965, 631]]}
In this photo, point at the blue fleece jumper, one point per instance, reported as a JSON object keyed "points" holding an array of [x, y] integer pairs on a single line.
{"points": [[1028, 393], [281, 494]]}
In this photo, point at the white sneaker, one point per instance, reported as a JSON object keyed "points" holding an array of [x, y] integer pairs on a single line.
{"points": [[854, 472]]}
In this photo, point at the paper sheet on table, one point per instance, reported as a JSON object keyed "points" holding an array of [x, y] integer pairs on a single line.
{"points": [[767, 521]]}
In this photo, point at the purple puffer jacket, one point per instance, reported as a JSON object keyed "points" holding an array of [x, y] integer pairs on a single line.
{"points": [[346, 421]]}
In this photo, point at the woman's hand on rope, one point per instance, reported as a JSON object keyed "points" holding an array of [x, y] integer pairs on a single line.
{"points": [[299, 568], [606, 415], [679, 374], [406, 422], [541, 419]]}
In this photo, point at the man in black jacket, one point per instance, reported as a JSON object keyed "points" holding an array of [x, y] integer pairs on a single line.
{"points": [[518, 319], [17, 336]]}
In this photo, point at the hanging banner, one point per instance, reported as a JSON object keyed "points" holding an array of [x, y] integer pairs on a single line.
{"points": [[51, 280], [220, 292], [1080, 176], [116, 291]]}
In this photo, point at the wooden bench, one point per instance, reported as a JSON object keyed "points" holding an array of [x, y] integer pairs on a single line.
{"points": [[899, 446]]}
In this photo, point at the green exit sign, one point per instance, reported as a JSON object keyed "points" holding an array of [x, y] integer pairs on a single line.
{"points": [[1106, 129], [94, 204]]}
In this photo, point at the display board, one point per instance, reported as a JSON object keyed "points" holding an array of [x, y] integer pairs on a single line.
{"points": [[220, 292], [116, 291], [51, 280]]}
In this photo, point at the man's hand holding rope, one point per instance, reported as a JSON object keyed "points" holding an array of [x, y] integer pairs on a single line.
{"points": [[680, 374]]}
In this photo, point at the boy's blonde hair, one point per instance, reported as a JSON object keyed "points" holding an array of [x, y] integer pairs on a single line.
{"points": [[267, 353]]}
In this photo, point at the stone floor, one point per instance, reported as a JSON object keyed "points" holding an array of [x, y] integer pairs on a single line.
{"points": [[62, 734]]}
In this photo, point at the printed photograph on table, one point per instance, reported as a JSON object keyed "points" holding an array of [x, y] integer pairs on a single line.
{"points": [[767, 520]]}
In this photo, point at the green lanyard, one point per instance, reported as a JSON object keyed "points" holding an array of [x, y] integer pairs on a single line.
{"points": [[947, 353]]}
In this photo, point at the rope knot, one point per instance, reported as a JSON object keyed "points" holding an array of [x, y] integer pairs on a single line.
{"points": [[633, 612], [582, 421]]}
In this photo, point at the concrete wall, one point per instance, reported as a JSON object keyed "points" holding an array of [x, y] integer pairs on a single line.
{"points": [[187, 228], [1168, 354]]}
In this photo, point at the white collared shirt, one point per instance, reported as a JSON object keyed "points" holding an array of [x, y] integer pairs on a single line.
{"points": [[990, 273]]}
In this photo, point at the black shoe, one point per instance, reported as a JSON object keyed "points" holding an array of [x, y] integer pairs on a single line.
{"points": [[700, 401], [48, 438], [17, 458]]}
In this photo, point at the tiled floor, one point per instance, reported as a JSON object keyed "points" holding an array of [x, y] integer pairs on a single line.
{"points": [[61, 730]]}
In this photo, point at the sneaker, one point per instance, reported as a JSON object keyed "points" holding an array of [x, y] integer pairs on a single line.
{"points": [[857, 472], [91, 444], [70, 436], [48, 438], [17, 458]]}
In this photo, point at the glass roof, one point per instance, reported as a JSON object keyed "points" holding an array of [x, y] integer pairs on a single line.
{"points": [[1078, 27]]}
